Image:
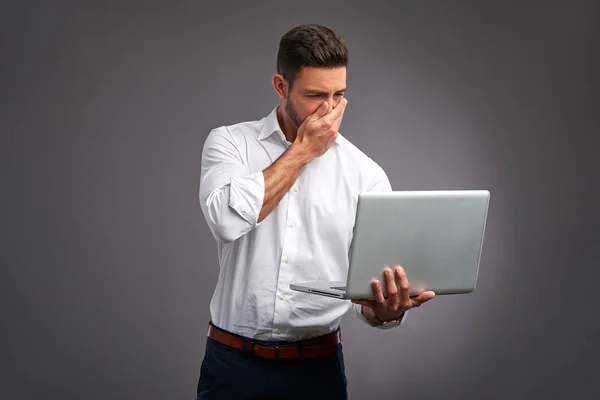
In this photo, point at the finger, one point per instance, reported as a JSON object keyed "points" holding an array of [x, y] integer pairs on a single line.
{"points": [[392, 289], [342, 103], [335, 114], [338, 121], [404, 286], [378, 292], [422, 298]]}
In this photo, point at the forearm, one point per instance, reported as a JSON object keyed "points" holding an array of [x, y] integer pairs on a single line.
{"points": [[280, 176]]}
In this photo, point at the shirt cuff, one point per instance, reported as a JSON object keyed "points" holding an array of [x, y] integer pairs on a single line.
{"points": [[246, 196], [358, 309]]}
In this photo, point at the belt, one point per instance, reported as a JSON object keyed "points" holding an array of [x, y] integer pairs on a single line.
{"points": [[319, 347]]}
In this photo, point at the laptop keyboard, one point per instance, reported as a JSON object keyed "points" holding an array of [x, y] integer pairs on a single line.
{"points": [[339, 287]]}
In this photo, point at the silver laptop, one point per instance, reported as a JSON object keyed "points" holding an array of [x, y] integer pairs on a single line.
{"points": [[437, 237]]}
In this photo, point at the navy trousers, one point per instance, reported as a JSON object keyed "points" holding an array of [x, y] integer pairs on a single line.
{"points": [[227, 373]]}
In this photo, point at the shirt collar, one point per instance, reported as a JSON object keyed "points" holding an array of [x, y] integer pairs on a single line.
{"points": [[271, 125]]}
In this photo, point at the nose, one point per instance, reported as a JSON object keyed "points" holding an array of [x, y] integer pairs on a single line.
{"points": [[333, 102]]}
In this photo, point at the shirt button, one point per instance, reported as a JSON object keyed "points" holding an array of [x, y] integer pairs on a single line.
{"points": [[281, 297], [291, 224], [286, 260], [278, 331], [295, 189]]}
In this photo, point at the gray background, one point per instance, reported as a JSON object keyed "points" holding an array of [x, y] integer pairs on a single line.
{"points": [[108, 266]]}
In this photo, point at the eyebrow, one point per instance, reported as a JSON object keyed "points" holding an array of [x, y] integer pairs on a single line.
{"points": [[314, 91]]}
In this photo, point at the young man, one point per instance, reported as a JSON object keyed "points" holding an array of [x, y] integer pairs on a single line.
{"points": [[279, 195]]}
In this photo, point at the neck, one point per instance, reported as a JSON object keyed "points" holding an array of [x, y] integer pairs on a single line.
{"points": [[290, 130]]}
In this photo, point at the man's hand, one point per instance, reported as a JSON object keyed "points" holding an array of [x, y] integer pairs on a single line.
{"points": [[318, 132], [398, 300]]}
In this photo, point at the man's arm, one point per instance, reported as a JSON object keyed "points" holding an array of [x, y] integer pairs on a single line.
{"points": [[279, 178], [233, 200], [316, 134]]}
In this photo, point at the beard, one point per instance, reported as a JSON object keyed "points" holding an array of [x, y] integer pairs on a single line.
{"points": [[291, 112]]}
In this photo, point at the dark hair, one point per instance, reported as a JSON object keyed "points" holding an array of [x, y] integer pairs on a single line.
{"points": [[310, 46]]}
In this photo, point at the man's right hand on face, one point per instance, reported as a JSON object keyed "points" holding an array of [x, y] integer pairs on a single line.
{"points": [[318, 132]]}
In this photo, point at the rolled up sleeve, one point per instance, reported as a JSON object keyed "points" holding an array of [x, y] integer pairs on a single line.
{"points": [[231, 196]]}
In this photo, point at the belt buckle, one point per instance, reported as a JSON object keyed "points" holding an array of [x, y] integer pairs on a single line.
{"points": [[249, 346]]}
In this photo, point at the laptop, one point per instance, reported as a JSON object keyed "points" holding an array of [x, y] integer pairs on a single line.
{"points": [[435, 235]]}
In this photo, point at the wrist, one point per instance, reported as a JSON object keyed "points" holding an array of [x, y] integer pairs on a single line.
{"points": [[374, 319], [299, 154], [394, 320]]}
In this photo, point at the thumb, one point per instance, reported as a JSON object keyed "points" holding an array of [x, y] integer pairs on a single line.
{"points": [[422, 298]]}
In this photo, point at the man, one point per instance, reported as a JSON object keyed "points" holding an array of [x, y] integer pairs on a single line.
{"points": [[279, 195]]}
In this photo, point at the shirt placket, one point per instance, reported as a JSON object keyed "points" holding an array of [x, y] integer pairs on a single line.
{"points": [[289, 256]]}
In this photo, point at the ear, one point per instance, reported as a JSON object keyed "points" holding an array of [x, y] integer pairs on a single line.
{"points": [[280, 84]]}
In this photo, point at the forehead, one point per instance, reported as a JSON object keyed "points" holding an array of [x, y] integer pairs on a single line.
{"points": [[327, 79]]}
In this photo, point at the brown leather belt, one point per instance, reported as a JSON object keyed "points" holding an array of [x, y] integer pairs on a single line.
{"points": [[322, 346]]}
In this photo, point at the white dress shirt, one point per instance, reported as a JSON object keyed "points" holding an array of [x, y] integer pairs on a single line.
{"points": [[306, 237]]}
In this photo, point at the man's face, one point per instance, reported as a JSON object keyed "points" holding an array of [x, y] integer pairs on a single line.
{"points": [[312, 87]]}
